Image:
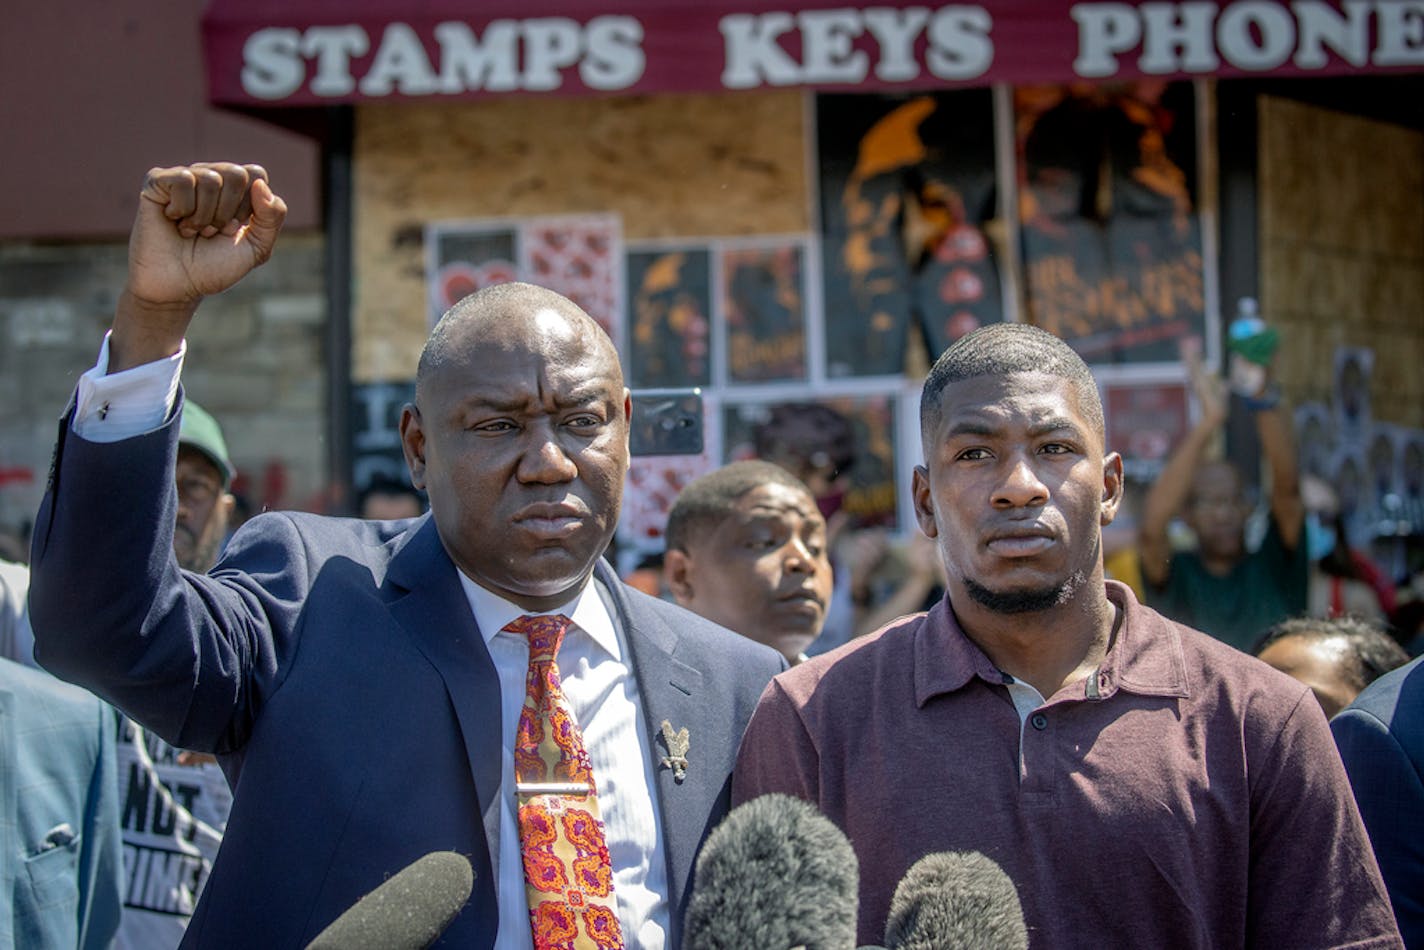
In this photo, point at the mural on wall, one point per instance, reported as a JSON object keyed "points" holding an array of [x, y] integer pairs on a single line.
{"points": [[907, 198], [1108, 221], [580, 256], [764, 300], [669, 316]]}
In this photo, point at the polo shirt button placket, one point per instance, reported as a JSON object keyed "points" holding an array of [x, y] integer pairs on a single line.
{"points": [[1039, 721]]}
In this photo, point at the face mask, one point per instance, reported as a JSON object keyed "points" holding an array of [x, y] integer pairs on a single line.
{"points": [[1319, 537]]}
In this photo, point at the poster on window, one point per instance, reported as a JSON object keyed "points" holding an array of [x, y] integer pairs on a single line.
{"points": [[1354, 366], [1111, 241], [842, 447], [654, 482], [465, 258], [1314, 439], [907, 212], [1144, 422], [764, 305], [580, 256], [669, 316]]}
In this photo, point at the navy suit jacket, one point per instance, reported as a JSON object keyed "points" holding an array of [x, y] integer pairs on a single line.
{"points": [[335, 667], [1381, 739]]}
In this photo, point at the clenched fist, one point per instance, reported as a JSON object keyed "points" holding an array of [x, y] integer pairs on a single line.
{"points": [[199, 229]]}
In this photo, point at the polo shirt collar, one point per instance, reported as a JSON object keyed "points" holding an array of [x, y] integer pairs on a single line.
{"points": [[1146, 657]]}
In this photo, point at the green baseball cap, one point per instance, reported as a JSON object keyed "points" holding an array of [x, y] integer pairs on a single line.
{"points": [[199, 430]]}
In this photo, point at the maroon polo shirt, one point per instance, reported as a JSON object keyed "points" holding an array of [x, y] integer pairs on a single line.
{"points": [[1186, 795]]}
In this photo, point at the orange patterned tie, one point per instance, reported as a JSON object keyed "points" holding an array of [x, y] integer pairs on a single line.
{"points": [[567, 875]]}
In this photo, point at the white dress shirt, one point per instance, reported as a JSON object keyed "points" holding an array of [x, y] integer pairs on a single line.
{"points": [[599, 685], [593, 667]]}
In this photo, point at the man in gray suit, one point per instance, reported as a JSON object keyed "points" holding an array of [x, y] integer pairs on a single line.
{"points": [[355, 678]]}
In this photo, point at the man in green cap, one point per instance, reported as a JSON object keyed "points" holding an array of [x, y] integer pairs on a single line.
{"points": [[204, 474]]}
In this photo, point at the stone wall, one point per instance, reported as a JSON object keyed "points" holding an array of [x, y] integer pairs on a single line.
{"points": [[256, 359]]}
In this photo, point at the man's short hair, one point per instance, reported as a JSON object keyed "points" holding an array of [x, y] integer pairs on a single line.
{"points": [[707, 501], [1372, 652], [1003, 348]]}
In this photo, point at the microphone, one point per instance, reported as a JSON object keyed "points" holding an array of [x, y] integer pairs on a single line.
{"points": [[776, 874], [955, 899], [409, 911]]}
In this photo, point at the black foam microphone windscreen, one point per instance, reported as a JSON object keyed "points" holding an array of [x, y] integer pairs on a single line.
{"points": [[409, 911], [774, 875], [960, 900]]}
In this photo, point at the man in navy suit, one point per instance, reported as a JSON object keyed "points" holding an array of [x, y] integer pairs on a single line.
{"points": [[1381, 740], [353, 677]]}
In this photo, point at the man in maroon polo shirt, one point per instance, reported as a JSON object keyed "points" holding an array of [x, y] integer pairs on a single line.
{"points": [[1142, 784]]}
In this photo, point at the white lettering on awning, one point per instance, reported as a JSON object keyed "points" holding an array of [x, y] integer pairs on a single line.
{"points": [[958, 45], [510, 55], [1251, 35]]}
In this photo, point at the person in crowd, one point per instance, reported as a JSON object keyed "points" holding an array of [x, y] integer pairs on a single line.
{"points": [[817, 445], [1335, 657], [389, 499], [1343, 579], [475, 681], [876, 577], [174, 804], [60, 857], [1381, 740], [1222, 587], [746, 548], [1042, 716]]}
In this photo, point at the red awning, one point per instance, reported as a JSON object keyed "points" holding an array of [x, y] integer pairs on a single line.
{"points": [[318, 52]]}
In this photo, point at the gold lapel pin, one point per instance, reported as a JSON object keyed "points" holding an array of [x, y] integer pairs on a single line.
{"points": [[676, 743]]}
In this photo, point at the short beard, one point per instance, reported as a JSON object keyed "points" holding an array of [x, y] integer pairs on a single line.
{"points": [[202, 554], [1024, 601]]}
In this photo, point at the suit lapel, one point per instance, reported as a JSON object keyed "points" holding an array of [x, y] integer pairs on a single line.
{"points": [[674, 691], [435, 612]]}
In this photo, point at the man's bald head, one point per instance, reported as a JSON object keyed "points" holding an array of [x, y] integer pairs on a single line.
{"points": [[519, 438], [503, 315]]}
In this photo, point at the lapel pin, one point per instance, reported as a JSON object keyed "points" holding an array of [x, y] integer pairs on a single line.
{"points": [[676, 743]]}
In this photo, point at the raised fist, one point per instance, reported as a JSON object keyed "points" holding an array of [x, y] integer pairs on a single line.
{"points": [[200, 229]]}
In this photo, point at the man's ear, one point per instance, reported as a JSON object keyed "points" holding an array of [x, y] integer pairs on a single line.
{"points": [[627, 430], [677, 575], [1113, 487], [412, 436], [924, 506]]}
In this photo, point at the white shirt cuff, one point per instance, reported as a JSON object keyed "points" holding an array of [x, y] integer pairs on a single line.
{"points": [[110, 408]]}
